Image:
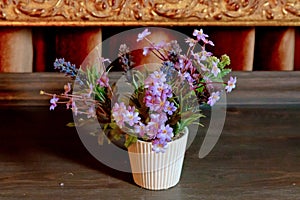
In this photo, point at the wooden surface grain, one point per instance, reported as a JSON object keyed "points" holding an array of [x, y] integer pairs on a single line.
{"points": [[257, 156]]}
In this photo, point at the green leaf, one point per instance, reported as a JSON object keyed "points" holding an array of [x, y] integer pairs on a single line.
{"points": [[130, 139]]}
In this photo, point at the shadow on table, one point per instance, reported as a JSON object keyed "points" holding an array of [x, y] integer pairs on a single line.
{"points": [[30, 135]]}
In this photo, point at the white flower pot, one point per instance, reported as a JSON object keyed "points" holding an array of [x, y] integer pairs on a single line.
{"points": [[157, 171]]}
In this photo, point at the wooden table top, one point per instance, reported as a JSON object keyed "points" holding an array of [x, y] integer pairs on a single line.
{"points": [[256, 157]]}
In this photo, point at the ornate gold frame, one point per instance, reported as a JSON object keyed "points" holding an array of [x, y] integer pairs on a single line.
{"points": [[149, 12]]}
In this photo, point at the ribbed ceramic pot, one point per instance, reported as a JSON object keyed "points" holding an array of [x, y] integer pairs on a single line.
{"points": [[157, 171]]}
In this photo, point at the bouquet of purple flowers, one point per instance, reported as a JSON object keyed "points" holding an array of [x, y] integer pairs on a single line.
{"points": [[164, 100]]}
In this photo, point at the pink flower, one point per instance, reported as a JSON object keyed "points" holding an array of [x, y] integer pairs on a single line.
{"points": [[230, 84], [200, 35], [142, 35]]}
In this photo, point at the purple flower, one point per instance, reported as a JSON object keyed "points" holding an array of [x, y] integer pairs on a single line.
{"points": [[140, 129], [230, 84], [200, 35], [131, 117], [158, 76], [53, 102], [91, 112], [215, 70], [160, 118], [169, 107], [117, 112], [152, 102], [209, 42], [158, 89], [159, 146], [214, 97], [165, 133], [142, 35], [74, 108], [152, 129]]}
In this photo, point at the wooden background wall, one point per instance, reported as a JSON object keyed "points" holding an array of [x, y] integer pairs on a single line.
{"points": [[257, 34]]}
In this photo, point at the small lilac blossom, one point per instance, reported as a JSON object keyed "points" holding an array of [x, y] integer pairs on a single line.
{"points": [[159, 89], [158, 76], [230, 84], [215, 70], [159, 146], [142, 35], [74, 108], [169, 108], [160, 118], [91, 112], [131, 117], [165, 133], [214, 97], [200, 35], [53, 102], [152, 102], [209, 42], [103, 81], [152, 129], [140, 129], [205, 54], [118, 111], [196, 57]]}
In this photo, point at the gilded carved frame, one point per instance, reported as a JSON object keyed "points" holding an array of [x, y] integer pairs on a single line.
{"points": [[149, 12]]}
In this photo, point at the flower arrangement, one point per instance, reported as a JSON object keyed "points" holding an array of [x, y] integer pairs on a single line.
{"points": [[164, 101]]}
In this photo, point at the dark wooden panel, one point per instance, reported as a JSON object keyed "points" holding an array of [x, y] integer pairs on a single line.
{"points": [[254, 88]]}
